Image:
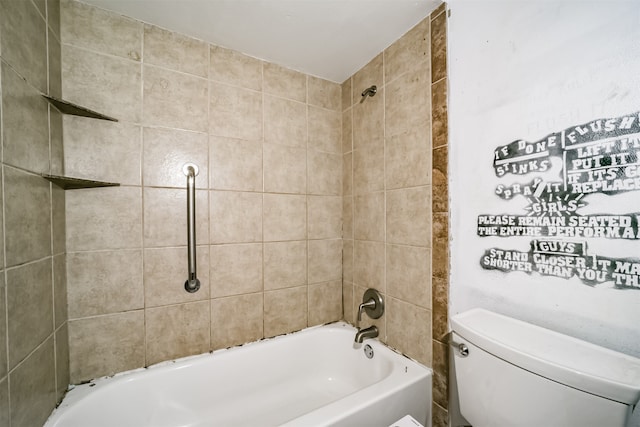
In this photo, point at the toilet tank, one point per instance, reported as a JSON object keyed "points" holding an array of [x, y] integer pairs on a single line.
{"points": [[518, 374]]}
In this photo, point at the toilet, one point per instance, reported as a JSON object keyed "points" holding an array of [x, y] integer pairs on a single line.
{"points": [[510, 373]]}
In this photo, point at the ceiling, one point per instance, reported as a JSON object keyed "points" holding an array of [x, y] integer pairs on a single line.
{"points": [[331, 39]]}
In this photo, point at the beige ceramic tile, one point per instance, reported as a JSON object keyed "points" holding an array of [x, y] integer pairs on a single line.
{"points": [[54, 56], [284, 217], [409, 216], [369, 217], [440, 304], [232, 67], [104, 282], [440, 416], [285, 310], [325, 260], [347, 98], [325, 173], [284, 82], [235, 217], [368, 122], [1, 232], [105, 345], [165, 271], [439, 47], [178, 52], [370, 74], [58, 223], [324, 217], [410, 51], [104, 218], [104, 83], [27, 217], [165, 217], [368, 170], [173, 99], [285, 122], [5, 410], [112, 153], [177, 331], [440, 242], [408, 159], [60, 301], [31, 286], [439, 116], [406, 102], [439, 173], [229, 329], [409, 274], [235, 269], [235, 164], [62, 361], [23, 41], [347, 131], [347, 174], [325, 94], [166, 151], [25, 118], [347, 260], [285, 169], [53, 16], [325, 130], [235, 112], [56, 144], [368, 265], [347, 302], [325, 302], [101, 31], [285, 264], [347, 217], [438, 10], [440, 373], [33, 387], [41, 5], [409, 330], [3, 327]]}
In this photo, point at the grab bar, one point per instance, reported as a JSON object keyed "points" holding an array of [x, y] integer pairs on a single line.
{"points": [[191, 170]]}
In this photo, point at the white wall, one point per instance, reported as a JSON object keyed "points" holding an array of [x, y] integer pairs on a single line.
{"points": [[523, 70]]}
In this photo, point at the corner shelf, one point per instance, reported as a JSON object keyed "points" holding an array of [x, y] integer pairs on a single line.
{"points": [[67, 183], [66, 107]]}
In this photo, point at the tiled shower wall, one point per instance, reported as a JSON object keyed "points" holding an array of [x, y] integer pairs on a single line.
{"points": [[395, 196], [33, 317], [267, 141]]}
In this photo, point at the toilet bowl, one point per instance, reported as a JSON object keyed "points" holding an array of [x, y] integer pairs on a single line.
{"points": [[511, 373]]}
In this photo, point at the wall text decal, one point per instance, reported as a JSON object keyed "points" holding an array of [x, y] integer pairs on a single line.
{"points": [[596, 157]]}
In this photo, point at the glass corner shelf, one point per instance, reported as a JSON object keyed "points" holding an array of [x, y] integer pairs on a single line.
{"points": [[67, 183], [66, 107]]}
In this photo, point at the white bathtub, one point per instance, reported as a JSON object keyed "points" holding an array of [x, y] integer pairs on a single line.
{"points": [[316, 377]]}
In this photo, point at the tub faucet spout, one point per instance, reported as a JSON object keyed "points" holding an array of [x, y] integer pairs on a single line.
{"points": [[362, 334]]}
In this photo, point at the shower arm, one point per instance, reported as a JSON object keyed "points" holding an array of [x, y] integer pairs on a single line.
{"points": [[192, 284], [370, 91]]}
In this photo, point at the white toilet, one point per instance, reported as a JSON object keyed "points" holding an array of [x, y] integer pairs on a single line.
{"points": [[510, 373]]}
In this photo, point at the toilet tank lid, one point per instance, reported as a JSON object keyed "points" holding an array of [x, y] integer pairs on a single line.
{"points": [[561, 358]]}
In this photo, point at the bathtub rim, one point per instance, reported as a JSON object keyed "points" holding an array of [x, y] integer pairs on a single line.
{"points": [[76, 393]]}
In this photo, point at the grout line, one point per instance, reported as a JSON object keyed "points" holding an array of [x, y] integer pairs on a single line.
{"points": [[142, 198]]}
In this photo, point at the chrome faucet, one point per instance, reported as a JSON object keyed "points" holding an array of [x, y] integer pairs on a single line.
{"points": [[362, 334]]}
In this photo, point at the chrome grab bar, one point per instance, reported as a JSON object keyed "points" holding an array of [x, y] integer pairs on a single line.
{"points": [[191, 170]]}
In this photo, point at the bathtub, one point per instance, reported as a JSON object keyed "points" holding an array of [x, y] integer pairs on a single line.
{"points": [[315, 377]]}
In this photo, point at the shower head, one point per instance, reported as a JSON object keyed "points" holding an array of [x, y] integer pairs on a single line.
{"points": [[370, 91]]}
